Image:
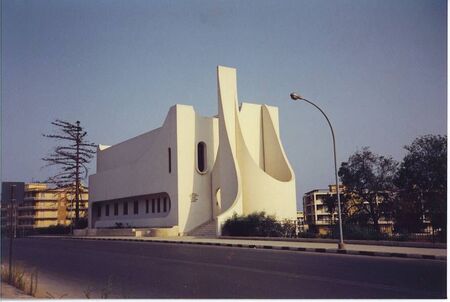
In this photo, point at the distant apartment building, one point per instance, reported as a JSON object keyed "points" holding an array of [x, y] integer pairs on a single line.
{"points": [[320, 219], [317, 216], [301, 226], [41, 207]]}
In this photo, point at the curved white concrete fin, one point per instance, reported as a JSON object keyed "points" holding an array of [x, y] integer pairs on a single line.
{"points": [[229, 174], [276, 162]]}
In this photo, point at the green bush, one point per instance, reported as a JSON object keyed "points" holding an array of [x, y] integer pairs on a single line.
{"points": [[289, 228], [357, 232], [257, 224], [81, 224], [306, 234], [53, 230]]}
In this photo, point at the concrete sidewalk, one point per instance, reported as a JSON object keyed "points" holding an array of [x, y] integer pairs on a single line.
{"points": [[351, 249]]}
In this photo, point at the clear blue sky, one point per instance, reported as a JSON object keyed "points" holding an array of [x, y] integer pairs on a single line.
{"points": [[378, 68]]}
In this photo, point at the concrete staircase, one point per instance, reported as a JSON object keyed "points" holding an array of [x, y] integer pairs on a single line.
{"points": [[207, 229]]}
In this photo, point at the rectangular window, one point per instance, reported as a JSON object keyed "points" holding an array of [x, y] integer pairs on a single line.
{"points": [[116, 209], [153, 205], [159, 205], [170, 160], [125, 208], [107, 210], [165, 204], [136, 207], [99, 210], [146, 206]]}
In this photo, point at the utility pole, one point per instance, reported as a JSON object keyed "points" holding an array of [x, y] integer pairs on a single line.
{"points": [[77, 175], [15, 220], [11, 232]]}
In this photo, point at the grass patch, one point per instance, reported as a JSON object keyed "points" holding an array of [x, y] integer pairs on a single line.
{"points": [[21, 279]]}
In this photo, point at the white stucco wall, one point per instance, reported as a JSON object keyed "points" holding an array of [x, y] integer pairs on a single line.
{"points": [[137, 167], [194, 187]]}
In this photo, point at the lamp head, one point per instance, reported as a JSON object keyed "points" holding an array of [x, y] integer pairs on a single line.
{"points": [[295, 96]]}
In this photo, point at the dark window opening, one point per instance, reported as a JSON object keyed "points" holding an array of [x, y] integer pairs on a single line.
{"points": [[116, 209], [170, 160], [153, 205], [136, 207], [107, 210], [146, 206], [165, 204], [201, 157], [99, 210], [159, 205], [125, 208]]}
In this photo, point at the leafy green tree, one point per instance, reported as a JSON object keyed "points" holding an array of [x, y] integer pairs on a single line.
{"points": [[408, 212], [422, 183], [330, 202], [368, 180]]}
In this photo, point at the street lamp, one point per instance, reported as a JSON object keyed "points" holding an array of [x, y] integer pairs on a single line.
{"points": [[297, 97]]}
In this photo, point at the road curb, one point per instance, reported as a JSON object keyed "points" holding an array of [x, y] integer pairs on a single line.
{"points": [[349, 241], [285, 248]]}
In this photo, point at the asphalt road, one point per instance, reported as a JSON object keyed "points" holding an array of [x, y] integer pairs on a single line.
{"points": [[161, 270]]}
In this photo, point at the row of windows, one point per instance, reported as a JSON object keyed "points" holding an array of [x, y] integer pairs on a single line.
{"points": [[157, 205]]}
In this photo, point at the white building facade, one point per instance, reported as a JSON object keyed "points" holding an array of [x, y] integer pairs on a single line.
{"points": [[196, 170]]}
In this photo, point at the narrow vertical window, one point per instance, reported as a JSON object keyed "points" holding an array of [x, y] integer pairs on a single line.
{"points": [[107, 210], [99, 210], [125, 208], [136, 207], [170, 160], [159, 205], [201, 156], [153, 205], [165, 204], [116, 209], [146, 206]]}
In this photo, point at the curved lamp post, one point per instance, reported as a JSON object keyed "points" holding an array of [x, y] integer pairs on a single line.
{"points": [[297, 97]]}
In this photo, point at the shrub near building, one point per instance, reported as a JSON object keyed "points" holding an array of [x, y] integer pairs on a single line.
{"points": [[258, 224]]}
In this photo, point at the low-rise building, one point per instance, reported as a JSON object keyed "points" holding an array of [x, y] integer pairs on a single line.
{"points": [[301, 226], [42, 207], [318, 216], [193, 173]]}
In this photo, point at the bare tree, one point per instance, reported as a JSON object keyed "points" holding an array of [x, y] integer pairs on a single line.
{"points": [[72, 155]]}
